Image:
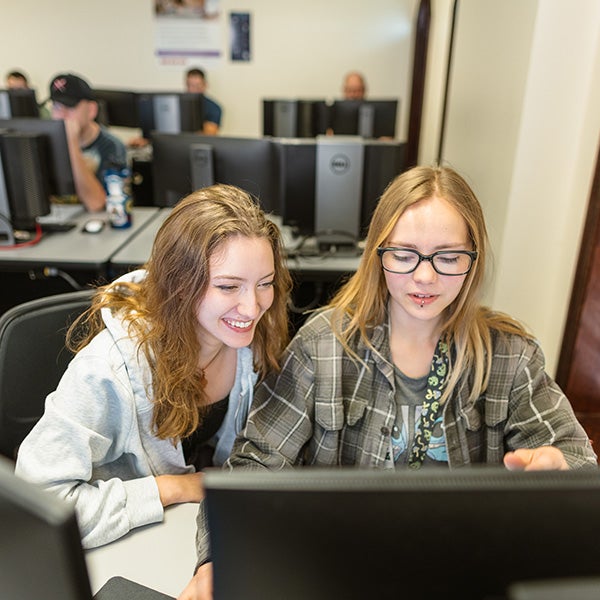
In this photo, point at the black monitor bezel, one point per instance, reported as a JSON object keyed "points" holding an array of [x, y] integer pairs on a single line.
{"points": [[259, 176], [464, 533]]}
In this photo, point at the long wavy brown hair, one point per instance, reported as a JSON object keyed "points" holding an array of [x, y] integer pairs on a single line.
{"points": [[362, 302], [161, 310]]}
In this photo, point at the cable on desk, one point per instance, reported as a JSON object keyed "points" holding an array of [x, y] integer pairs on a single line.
{"points": [[32, 242], [48, 272]]}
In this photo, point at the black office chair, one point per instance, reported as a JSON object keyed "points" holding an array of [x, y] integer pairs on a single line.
{"points": [[33, 358]]}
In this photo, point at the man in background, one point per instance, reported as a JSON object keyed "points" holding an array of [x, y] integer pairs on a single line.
{"points": [[195, 82], [17, 80], [354, 86], [92, 149]]}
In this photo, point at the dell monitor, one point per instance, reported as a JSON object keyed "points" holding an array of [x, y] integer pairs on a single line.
{"points": [[168, 112], [437, 533], [186, 161], [301, 199], [19, 102], [367, 118]]}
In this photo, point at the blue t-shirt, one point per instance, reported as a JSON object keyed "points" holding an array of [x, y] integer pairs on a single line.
{"points": [[105, 152], [212, 111]]}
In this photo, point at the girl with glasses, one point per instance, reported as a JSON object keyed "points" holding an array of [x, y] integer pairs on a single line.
{"points": [[405, 368]]}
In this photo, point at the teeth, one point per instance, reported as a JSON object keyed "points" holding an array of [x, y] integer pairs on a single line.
{"points": [[239, 324]]}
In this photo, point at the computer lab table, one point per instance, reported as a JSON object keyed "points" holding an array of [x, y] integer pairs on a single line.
{"points": [[62, 261]]}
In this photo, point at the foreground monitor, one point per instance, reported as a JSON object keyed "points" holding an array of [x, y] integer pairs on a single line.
{"points": [[40, 555], [185, 162], [356, 534]]}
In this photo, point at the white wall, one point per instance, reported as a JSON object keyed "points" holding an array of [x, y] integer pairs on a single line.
{"points": [[300, 49], [523, 127]]}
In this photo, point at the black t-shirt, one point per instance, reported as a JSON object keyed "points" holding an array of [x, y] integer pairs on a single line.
{"points": [[196, 449]]}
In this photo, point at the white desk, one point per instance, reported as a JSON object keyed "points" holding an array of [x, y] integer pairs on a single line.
{"points": [[161, 556], [137, 251], [75, 249]]}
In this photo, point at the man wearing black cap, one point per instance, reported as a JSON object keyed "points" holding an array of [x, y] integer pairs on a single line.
{"points": [[91, 148]]}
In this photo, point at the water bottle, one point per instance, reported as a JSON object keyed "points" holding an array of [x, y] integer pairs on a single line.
{"points": [[118, 200]]}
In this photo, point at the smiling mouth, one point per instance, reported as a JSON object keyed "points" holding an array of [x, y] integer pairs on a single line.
{"points": [[242, 325]]}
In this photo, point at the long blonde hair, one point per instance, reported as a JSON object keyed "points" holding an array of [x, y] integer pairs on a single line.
{"points": [[362, 302], [161, 309]]}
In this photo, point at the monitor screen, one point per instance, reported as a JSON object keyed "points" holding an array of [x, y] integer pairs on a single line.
{"points": [[186, 161], [367, 118], [40, 553], [355, 534], [170, 112], [118, 108], [20, 102]]}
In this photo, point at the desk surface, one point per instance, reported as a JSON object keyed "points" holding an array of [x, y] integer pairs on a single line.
{"points": [[75, 249], [136, 252], [161, 556]]}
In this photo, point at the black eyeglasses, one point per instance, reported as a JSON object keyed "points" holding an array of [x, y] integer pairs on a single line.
{"points": [[445, 262]]}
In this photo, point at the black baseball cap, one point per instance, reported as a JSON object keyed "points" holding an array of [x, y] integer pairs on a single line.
{"points": [[69, 89]]}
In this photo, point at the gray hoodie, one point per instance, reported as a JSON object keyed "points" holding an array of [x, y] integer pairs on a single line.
{"points": [[94, 444]]}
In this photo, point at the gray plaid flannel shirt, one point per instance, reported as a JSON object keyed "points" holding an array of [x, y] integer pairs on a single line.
{"points": [[324, 409]]}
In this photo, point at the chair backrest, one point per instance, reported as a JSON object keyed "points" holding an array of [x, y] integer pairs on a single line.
{"points": [[33, 358]]}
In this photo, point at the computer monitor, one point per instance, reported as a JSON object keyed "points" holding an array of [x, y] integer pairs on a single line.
{"points": [[35, 165], [119, 108], [170, 112], [367, 118], [41, 555], [294, 118], [18, 102], [355, 533], [59, 165], [381, 162], [186, 161]]}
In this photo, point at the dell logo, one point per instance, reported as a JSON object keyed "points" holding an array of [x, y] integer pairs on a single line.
{"points": [[339, 164]]}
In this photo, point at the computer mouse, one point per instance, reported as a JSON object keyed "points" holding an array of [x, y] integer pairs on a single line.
{"points": [[93, 226]]}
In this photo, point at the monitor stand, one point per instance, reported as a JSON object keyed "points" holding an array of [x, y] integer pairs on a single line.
{"points": [[167, 116], [201, 165], [285, 118], [338, 193]]}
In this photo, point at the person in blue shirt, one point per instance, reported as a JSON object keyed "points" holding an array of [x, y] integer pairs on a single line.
{"points": [[195, 82]]}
